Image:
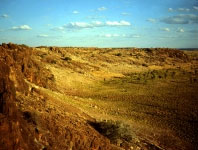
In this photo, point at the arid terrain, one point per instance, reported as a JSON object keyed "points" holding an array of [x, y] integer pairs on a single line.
{"points": [[67, 98]]}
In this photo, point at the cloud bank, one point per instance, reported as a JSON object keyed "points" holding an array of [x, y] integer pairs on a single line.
{"points": [[194, 8], [93, 24], [119, 35], [181, 19], [22, 27]]}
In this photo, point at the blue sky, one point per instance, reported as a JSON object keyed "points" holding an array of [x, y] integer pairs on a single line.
{"points": [[100, 23]]}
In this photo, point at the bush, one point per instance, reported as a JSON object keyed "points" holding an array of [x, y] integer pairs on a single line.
{"points": [[114, 131], [145, 65], [118, 54], [25, 46], [149, 50], [67, 59]]}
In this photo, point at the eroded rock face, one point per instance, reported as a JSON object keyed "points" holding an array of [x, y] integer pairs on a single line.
{"points": [[10, 122], [20, 130], [19, 59], [13, 129], [7, 90], [15, 132]]}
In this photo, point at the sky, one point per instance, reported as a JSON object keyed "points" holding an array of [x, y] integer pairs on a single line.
{"points": [[100, 23]]}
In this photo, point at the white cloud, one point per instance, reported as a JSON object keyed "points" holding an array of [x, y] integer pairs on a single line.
{"points": [[58, 28], [125, 23], [78, 25], [102, 8], [43, 35], [22, 27], [151, 20], [131, 36], [118, 23], [180, 30], [110, 35], [75, 12], [184, 9], [179, 9], [93, 24], [97, 24], [120, 35], [170, 9], [4, 16], [181, 19], [125, 14], [134, 36], [165, 29], [195, 7]]}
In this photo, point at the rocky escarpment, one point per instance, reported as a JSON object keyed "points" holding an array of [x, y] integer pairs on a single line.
{"points": [[16, 66], [19, 59], [30, 119], [13, 128]]}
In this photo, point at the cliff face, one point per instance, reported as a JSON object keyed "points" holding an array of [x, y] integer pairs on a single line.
{"points": [[22, 66], [12, 127]]}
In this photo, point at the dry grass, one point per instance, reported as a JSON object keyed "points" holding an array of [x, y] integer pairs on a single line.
{"points": [[149, 89]]}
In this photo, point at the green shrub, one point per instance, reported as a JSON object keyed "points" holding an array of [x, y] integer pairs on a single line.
{"points": [[67, 58], [113, 130], [118, 54], [145, 65]]}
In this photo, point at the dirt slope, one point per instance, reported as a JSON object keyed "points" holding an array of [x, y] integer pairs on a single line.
{"points": [[91, 98], [32, 120]]}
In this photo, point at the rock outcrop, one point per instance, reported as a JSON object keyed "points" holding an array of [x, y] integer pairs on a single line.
{"points": [[12, 127], [50, 128]]}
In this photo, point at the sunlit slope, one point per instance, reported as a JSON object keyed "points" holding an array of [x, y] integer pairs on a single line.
{"points": [[153, 90]]}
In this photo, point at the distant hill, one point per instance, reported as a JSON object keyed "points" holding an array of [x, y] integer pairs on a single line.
{"points": [[189, 49]]}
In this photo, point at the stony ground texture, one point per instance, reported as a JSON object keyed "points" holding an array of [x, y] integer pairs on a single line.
{"points": [[91, 98]]}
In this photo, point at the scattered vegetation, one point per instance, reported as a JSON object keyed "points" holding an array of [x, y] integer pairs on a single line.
{"points": [[145, 65], [118, 54], [67, 58], [114, 130], [151, 76], [154, 89]]}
